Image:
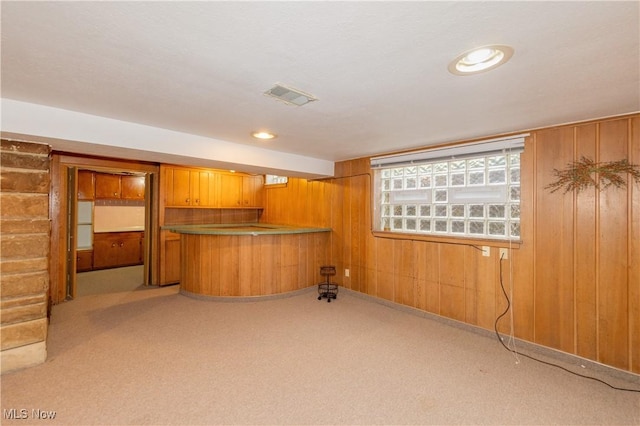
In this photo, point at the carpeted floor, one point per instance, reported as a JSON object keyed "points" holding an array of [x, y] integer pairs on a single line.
{"points": [[114, 280], [154, 356]]}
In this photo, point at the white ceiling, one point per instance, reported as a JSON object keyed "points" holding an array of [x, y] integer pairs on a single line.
{"points": [[378, 69]]}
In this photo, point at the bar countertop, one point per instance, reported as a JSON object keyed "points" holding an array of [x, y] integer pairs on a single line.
{"points": [[254, 229]]}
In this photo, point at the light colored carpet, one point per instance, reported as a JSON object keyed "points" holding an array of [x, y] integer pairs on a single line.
{"points": [[114, 280], [159, 357]]}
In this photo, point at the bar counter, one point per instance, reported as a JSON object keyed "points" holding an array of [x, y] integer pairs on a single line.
{"points": [[250, 260]]}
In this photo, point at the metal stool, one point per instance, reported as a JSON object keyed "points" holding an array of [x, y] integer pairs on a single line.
{"points": [[327, 289]]}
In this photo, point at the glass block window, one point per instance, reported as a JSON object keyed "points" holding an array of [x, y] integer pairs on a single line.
{"points": [[477, 196]]}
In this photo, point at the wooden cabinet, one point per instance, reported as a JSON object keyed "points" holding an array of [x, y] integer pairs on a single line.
{"points": [[184, 187], [108, 186], [241, 191], [84, 260], [132, 187], [190, 188], [115, 249], [230, 190], [252, 191], [86, 185], [170, 258], [111, 186]]}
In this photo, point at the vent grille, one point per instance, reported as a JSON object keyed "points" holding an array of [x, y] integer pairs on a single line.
{"points": [[290, 96]]}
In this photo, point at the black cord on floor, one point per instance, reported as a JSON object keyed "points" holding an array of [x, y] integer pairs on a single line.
{"points": [[495, 326]]}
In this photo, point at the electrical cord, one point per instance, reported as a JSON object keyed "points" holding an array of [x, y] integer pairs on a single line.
{"points": [[516, 353], [495, 326]]}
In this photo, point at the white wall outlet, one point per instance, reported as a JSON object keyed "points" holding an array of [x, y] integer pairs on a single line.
{"points": [[486, 251], [504, 253], [346, 272]]}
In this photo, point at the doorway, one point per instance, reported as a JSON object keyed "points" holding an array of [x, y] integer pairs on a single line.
{"points": [[108, 240], [110, 220]]}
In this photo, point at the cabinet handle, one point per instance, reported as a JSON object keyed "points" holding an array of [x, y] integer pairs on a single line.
{"points": [[113, 245], [121, 244], [115, 194], [187, 200], [197, 201]]}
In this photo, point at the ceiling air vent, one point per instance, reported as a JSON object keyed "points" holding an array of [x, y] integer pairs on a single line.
{"points": [[289, 96]]}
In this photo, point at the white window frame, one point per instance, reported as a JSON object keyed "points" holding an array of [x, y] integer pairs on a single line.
{"points": [[271, 180], [467, 191]]}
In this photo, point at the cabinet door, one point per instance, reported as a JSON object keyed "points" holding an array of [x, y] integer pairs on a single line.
{"points": [[201, 190], [133, 187], [130, 250], [86, 185], [181, 187], [230, 190], [170, 270], [84, 260], [107, 186], [213, 191], [195, 184], [105, 251], [252, 187]]}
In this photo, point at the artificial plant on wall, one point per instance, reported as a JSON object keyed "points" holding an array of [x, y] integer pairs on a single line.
{"points": [[587, 173]]}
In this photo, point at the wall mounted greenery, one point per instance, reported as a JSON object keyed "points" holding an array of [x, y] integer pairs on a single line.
{"points": [[579, 175]]}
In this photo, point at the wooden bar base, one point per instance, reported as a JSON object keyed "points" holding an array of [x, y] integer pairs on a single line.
{"points": [[248, 265]]}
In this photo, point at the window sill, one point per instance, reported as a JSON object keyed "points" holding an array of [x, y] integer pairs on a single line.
{"points": [[448, 240]]}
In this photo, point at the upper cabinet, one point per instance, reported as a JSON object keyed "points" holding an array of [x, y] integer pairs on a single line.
{"points": [[111, 186], [231, 190], [241, 191], [108, 186], [86, 185], [189, 188], [252, 191], [132, 187], [185, 187]]}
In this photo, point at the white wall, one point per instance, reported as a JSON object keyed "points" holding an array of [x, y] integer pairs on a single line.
{"points": [[76, 132]]}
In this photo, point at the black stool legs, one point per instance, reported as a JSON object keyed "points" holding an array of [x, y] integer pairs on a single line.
{"points": [[327, 289]]}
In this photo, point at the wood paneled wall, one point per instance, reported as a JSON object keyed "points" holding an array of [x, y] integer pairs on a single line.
{"points": [[574, 280]]}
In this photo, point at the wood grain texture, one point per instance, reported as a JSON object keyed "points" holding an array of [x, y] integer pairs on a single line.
{"points": [[554, 243], [245, 265], [585, 255], [613, 321], [634, 250], [574, 279]]}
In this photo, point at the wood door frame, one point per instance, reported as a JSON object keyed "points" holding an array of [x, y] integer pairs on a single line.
{"points": [[61, 165]]}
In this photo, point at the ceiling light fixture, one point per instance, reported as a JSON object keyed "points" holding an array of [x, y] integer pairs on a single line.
{"points": [[263, 135], [481, 59]]}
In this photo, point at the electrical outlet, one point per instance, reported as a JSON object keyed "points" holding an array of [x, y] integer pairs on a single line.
{"points": [[504, 253], [486, 251], [346, 273]]}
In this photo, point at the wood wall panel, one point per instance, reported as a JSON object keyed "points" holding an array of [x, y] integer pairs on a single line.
{"points": [[523, 303], [585, 255], [613, 261], [554, 243], [634, 250], [385, 267], [574, 280]]}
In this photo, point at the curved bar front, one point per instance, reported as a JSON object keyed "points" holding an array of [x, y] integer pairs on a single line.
{"points": [[246, 260]]}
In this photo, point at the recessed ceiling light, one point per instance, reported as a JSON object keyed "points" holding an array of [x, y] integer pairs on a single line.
{"points": [[481, 59], [263, 135]]}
